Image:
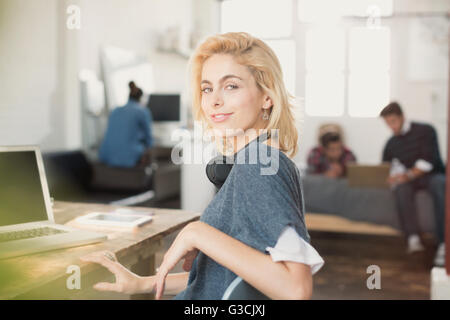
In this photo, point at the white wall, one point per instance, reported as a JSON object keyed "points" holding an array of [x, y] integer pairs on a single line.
{"points": [[30, 91]]}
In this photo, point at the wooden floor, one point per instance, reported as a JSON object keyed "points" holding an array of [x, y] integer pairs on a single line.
{"points": [[350, 247], [348, 255]]}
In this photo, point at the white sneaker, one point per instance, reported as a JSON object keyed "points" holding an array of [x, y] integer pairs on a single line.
{"points": [[439, 258], [414, 244]]}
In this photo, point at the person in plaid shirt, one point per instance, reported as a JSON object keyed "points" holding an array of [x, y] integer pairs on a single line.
{"points": [[331, 157]]}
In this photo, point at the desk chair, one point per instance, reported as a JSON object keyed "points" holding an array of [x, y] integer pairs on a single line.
{"points": [[241, 290]]}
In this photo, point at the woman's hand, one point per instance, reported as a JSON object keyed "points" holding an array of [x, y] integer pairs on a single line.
{"points": [[183, 247], [127, 282]]}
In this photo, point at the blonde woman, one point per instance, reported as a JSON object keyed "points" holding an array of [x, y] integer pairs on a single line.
{"points": [[254, 227]]}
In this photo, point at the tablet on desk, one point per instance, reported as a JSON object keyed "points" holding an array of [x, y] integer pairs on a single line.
{"points": [[114, 219]]}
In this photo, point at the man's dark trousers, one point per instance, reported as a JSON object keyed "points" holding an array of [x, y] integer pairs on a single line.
{"points": [[404, 194]]}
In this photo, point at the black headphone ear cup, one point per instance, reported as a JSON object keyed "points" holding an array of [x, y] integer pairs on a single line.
{"points": [[217, 170], [210, 173]]}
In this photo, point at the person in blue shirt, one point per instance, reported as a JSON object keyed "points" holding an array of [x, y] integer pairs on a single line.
{"points": [[128, 136]]}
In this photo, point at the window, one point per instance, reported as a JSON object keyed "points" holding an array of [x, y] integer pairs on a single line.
{"points": [[325, 62], [347, 67], [256, 17], [369, 64]]}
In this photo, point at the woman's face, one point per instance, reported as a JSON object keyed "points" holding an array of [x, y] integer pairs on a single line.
{"points": [[230, 97]]}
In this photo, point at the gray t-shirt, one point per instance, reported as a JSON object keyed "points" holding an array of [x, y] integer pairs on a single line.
{"points": [[257, 201]]}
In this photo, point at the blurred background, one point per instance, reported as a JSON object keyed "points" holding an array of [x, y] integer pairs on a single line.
{"points": [[66, 65]]}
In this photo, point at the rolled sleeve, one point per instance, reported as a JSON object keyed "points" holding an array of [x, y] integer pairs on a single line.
{"points": [[291, 247]]}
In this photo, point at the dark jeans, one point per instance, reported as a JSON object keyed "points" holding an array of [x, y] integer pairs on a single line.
{"points": [[404, 194]]}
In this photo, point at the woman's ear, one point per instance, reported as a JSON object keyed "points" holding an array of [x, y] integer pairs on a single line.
{"points": [[267, 102]]}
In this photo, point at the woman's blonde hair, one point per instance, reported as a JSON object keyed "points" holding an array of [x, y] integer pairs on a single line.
{"points": [[265, 68]]}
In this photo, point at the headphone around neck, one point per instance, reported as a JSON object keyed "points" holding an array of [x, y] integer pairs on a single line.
{"points": [[220, 166]]}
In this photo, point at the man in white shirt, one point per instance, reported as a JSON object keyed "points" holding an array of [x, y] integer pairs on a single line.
{"points": [[414, 146]]}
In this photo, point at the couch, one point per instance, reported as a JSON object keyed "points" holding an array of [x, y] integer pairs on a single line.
{"points": [[374, 205]]}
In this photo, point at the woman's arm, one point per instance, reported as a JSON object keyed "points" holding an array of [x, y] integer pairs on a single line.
{"points": [[278, 280], [175, 283]]}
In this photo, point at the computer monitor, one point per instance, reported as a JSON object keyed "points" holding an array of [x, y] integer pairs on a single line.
{"points": [[164, 107]]}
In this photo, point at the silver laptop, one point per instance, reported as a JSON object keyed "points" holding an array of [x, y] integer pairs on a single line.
{"points": [[26, 217]]}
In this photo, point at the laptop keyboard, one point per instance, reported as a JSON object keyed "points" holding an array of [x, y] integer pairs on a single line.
{"points": [[28, 234]]}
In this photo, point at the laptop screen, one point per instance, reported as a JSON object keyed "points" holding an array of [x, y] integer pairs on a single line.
{"points": [[21, 196]]}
